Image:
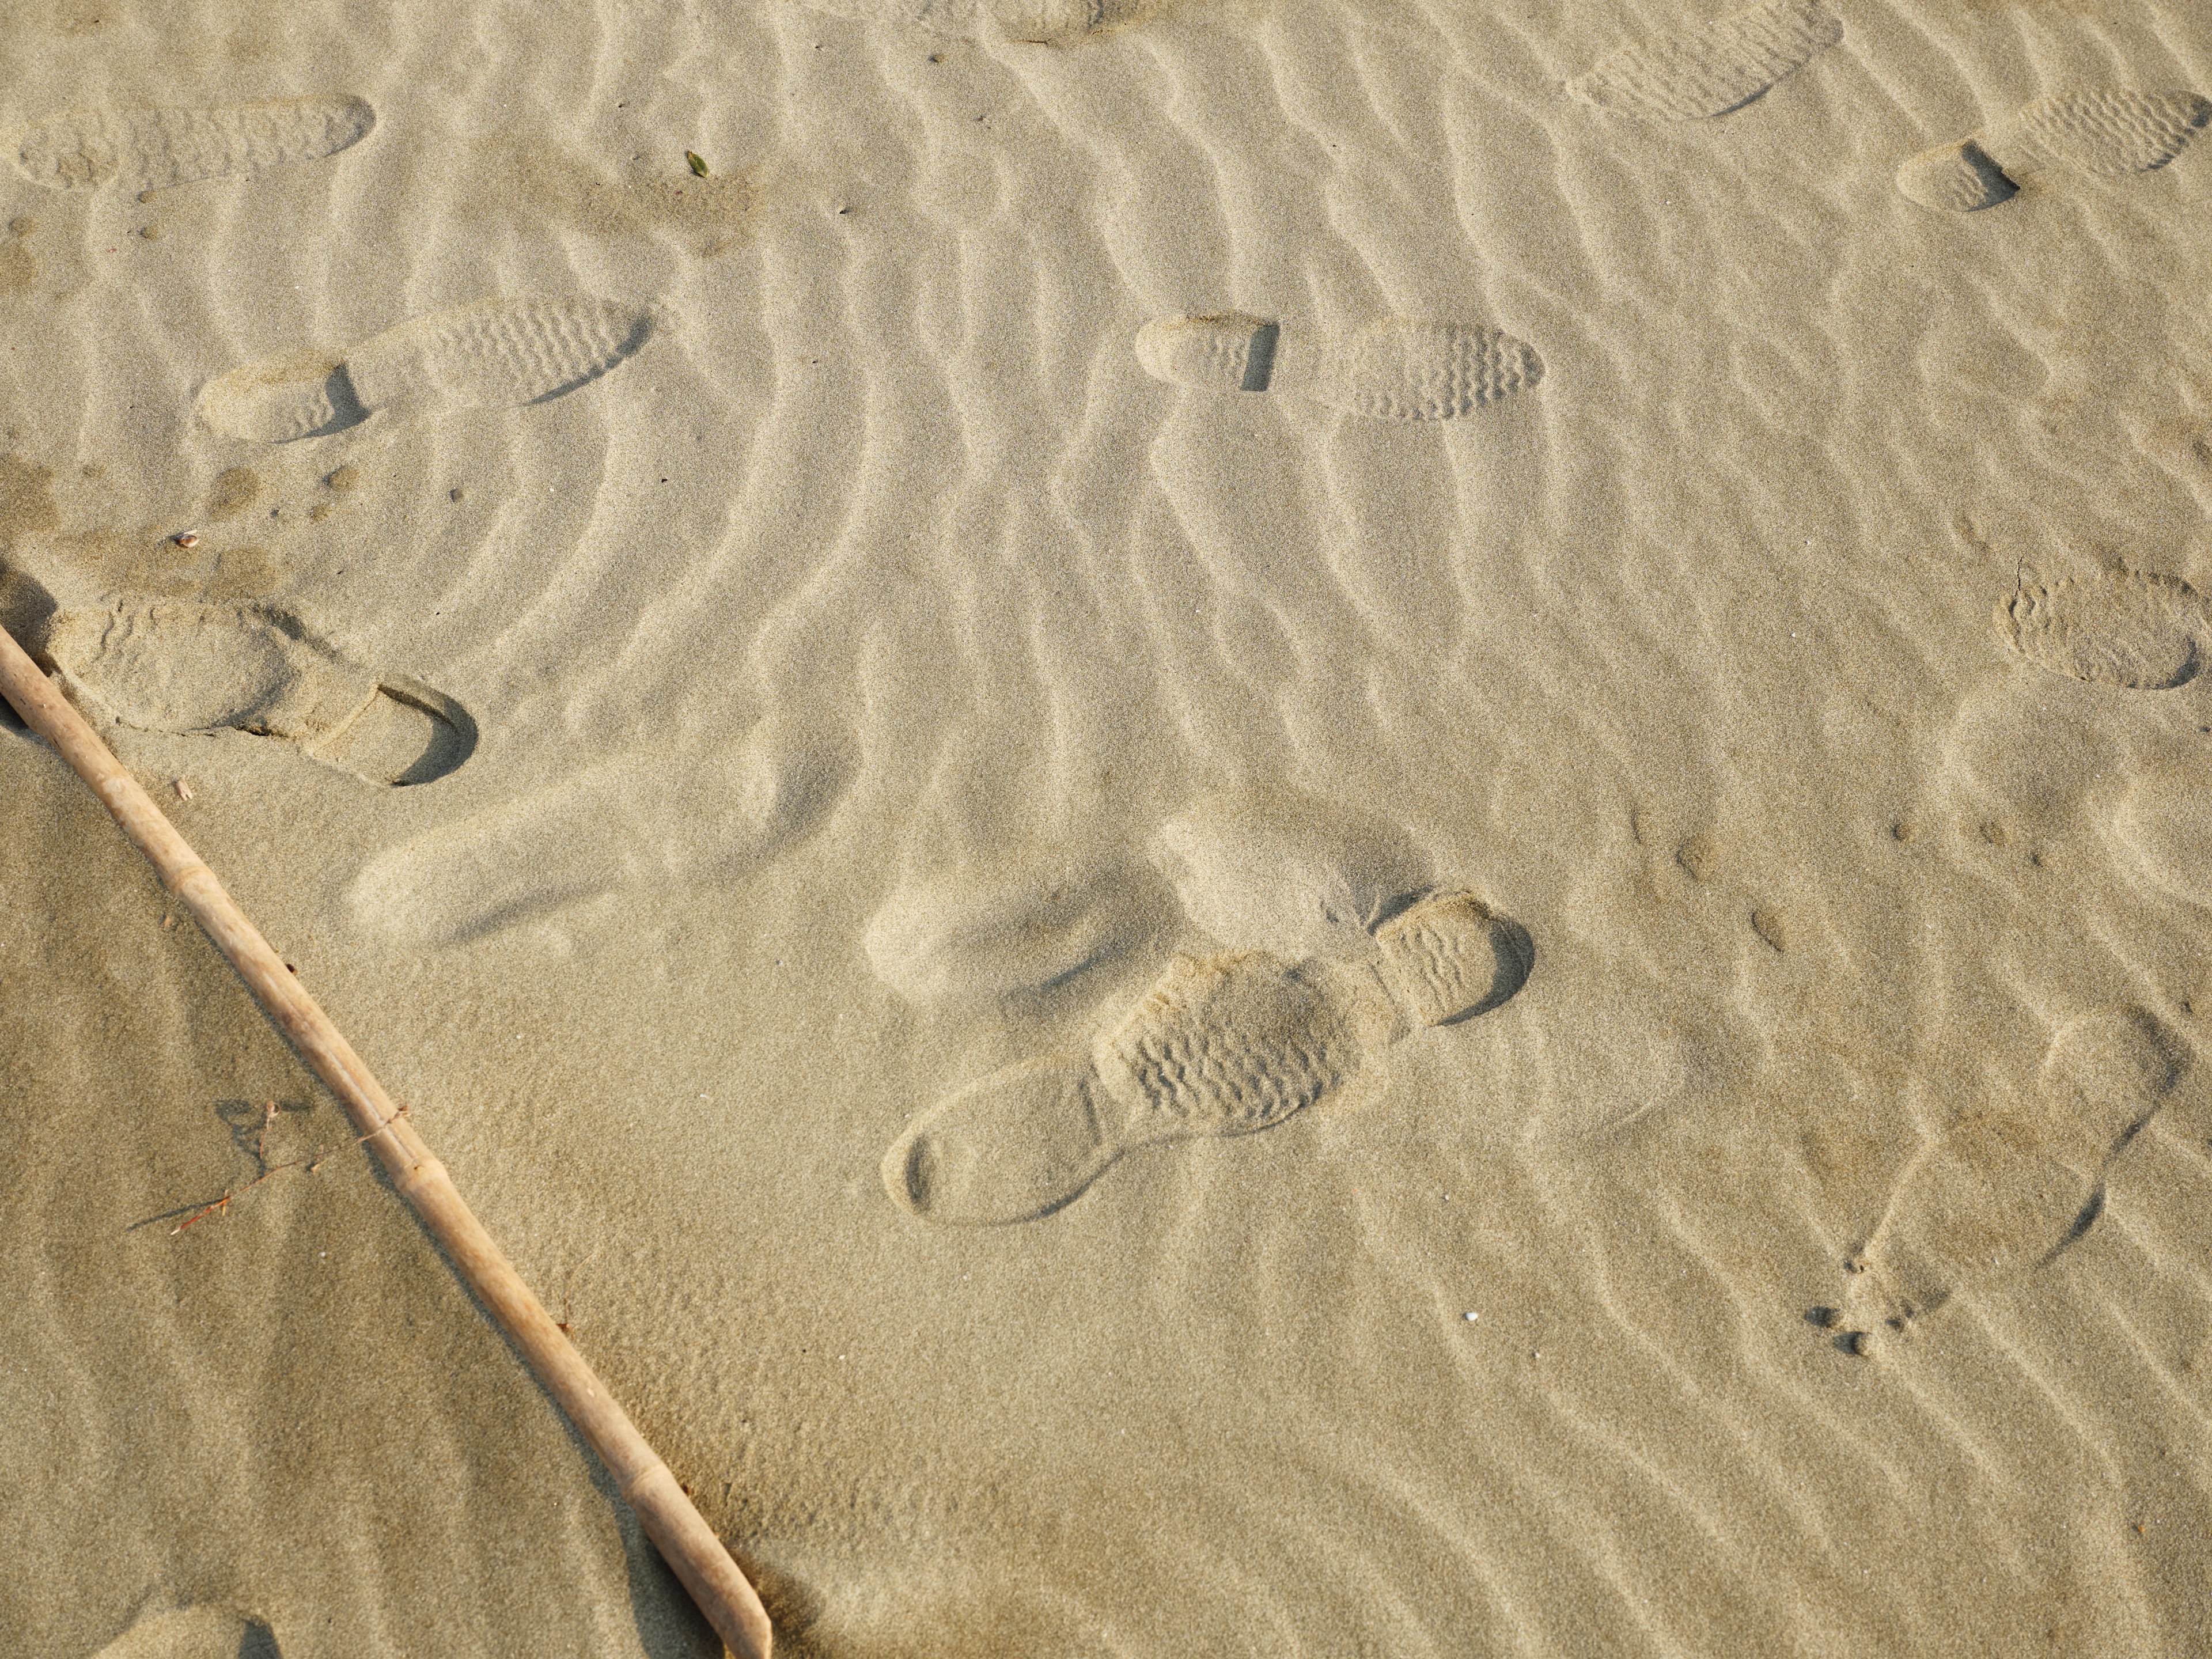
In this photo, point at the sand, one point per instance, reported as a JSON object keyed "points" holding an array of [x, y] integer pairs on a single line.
{"points": [[1366, 828]]}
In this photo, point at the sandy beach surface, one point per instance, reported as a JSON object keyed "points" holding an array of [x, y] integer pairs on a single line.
{"points": [[1348, 828]]}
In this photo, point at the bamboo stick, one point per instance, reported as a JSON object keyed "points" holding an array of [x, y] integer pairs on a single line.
{"points": [[669, 1518]]}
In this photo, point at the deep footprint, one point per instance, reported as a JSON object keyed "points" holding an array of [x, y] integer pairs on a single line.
{"points": [[2003, 1191], [1044, 22], [202, 1632], [1709, 70], [172, 665], [1392, 370], [2106, 135], [150, 148], [2143, 632], [1221, 1045], [497, 354]]}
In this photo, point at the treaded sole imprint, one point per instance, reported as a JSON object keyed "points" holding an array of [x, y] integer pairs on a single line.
{"points": [[1392, 370], [150, 148], [495, 353], [1714, 69]]}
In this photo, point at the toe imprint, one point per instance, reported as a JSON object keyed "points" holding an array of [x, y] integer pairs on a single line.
{"points": [[1228, 1045], [495, 355], [1957, 178], [2121, 629], [1450, 957], [1713, 69], [201, 1632], [148, 148]]}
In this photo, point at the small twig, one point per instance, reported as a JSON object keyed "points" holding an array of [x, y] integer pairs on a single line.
{"points": [[269, 1169]]}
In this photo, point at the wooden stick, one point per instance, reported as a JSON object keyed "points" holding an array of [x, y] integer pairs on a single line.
{"points": [[684, 1536]]}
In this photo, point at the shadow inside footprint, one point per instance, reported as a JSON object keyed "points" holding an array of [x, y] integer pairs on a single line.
{"points": [[202, 1632], [171, 665]]}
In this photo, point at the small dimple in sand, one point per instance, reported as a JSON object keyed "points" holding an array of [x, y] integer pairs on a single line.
{"points": [[497, 354], [2104, 134], [1221, 1045], [1712, 68], [171, 665], [1392, 370], [149, 148]]}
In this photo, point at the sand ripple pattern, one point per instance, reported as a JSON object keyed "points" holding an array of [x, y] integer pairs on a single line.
{"points": [[1713, 69], [149, 148], [1050, 22], [2112, 132]]}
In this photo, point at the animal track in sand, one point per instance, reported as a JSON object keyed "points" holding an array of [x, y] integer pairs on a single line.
{"points": [[170, 665], [202, 1632], [1221, 1045], [496, 354], [2143, 632], [1713, 69], [1043, 22], [2106, 134], [149, 148], [2003, 1191], [1392, 370]]}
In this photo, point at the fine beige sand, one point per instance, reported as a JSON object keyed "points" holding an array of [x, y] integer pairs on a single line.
{"points": [[1363, 828]]}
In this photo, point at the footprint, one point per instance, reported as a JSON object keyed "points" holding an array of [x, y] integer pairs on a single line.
{"points": [[1287, 874], [1393, 370], [2003, 1191], [170, 665], [2165, 822], [1221, 1045], [149, 148], [638, 820], [2106, 134], [1031, 925], [1711, 69], [203, 1632], [2122, 627], [1044, 22], [496, 354]]}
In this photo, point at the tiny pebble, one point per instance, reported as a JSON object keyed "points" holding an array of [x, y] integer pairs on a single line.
{"points": [[187, 539], [184, 790], [1471, 1317]]}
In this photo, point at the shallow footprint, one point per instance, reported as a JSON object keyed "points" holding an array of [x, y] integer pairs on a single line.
{"points": [[195, 1633], [172, 666], [497, 354], [2003, 1191], [2144, 632], [1044, 22], [1714, 69], [634, 821], [149, 148], [1392, 370], [2105, 134], [1221, 1045]]}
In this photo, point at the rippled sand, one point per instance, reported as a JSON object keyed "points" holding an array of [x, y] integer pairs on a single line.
{"points": [[1366, 828]]}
